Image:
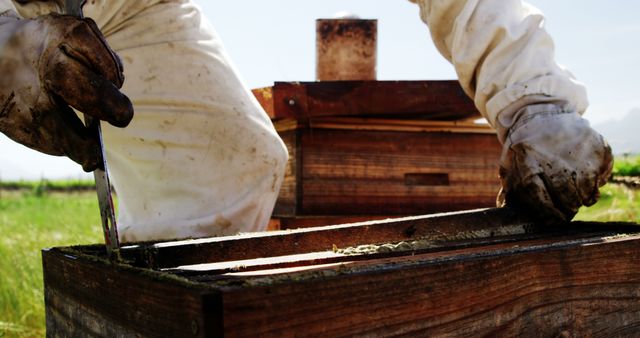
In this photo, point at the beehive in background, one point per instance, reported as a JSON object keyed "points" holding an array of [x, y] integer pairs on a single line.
{"points": [[360, 147]]}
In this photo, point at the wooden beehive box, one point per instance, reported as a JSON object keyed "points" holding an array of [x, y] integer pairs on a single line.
{"points": [[366, 148], [482, 273]]}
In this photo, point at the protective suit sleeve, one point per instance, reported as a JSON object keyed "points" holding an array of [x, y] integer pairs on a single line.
{"points": [[201, 158], [501, 53], [7, 6]]}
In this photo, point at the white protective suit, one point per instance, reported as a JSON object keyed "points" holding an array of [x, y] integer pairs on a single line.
{"points": [[201, 158]]}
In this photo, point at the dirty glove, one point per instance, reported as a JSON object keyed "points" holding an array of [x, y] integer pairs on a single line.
{"points": [[552, 163], [49, 64]]}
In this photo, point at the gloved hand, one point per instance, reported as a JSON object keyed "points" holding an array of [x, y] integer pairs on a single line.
{"points": [[49, 64], [552, 163]]}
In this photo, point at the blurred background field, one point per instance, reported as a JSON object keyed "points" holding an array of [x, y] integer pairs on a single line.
{"points": [[37, 215], [31, 220], [627, 165]]}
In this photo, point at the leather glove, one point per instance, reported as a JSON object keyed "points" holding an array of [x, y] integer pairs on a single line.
{"points": [[48, 65], [552, 163]]}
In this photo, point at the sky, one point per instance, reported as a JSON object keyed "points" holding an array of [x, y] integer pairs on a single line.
{"points": [[275, 41]]}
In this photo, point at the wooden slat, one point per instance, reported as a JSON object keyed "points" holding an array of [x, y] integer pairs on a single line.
{"points": [[444, 100], [285, 223], [574, 288], [403, 125], [441, 227], [278, 243], [387, 124], [364, 172], [383, 197], [247, 269], [303, 266], [396, 152]]}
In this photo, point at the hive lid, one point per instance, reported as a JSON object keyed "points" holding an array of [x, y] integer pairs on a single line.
{"points": [[429, 100]]}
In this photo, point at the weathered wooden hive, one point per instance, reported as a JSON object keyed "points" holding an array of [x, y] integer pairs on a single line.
{"points": [[361, 148], [388, 163], [483, 273]]}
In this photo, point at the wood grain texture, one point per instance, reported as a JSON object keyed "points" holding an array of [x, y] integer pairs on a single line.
{"points": [[561, 289], [447, 227], [355, 145], [571, 284], [354, 170], [90, 297], [285, 223], [439, 227], [394, 124], [365, 172], [434, 100], [265, 99], [287, 203]]}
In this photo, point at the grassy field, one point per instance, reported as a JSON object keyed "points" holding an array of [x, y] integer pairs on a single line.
{"points": [[39, 187], [34, 219], [627, 166], [617, 203], [30, 221]]}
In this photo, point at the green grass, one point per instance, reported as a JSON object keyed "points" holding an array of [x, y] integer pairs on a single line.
{"points": [[45, 185], [617, 203], [627, 166], [30, 222]]}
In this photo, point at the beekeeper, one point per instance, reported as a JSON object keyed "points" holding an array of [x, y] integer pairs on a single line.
{"points": [[201, 158]]}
